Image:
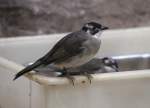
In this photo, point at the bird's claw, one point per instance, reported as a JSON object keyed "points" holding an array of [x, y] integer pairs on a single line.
{"points": [[71, 79]]}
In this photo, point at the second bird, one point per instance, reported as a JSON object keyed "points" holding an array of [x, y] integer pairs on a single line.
{"points": [[73, 50]]}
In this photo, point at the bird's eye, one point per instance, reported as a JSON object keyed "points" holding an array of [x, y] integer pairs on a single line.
{"points": [[96, 29], [85, 28]]}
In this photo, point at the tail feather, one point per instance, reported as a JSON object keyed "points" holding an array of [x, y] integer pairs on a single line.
{"points": [[27, 69]]}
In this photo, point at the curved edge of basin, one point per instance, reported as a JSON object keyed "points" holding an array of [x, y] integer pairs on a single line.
{"points": [[49, 81]]}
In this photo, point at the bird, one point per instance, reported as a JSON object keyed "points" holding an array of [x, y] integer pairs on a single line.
{"points": [[96, 65], [75, 49]]}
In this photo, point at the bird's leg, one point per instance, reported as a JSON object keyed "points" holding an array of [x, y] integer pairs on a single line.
{"points": [[89, 76], [71, 78]]}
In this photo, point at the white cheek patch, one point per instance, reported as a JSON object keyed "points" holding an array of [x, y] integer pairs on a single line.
{"points": [[97, 35], [88, 31]]}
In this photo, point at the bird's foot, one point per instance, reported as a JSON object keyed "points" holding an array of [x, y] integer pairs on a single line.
{"points": [[67, 75], [71, 79]]}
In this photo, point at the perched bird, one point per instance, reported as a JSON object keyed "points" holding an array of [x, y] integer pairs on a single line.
{"points": [[96, 65], [73, 50]]}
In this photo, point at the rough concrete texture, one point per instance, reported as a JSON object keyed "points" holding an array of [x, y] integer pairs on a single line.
{"points": [[34, 17]]}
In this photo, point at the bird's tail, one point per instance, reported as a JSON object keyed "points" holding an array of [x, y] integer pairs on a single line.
{"points": [[27, 69]]}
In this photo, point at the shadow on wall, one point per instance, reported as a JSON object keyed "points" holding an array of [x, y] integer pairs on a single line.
{"points": [[34, 17]]}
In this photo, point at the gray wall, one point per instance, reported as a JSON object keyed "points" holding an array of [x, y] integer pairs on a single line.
{"points": [[34, 17]]}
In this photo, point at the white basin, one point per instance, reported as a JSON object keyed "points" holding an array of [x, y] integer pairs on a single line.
{"points": [[111, 90]]}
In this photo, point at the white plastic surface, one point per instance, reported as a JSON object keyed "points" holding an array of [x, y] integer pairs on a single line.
{"points": [[127, 91]]}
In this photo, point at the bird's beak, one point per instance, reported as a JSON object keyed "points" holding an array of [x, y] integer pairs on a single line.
{"points": [[104, 28]]}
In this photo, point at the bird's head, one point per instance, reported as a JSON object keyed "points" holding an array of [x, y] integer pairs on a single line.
{"points": [[110, 63], [93, 28]]}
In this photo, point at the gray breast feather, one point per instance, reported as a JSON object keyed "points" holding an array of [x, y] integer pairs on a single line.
{"points": [[92, 45]]}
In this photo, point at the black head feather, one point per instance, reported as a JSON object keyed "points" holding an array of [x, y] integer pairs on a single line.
{"points": [[93, 27]]}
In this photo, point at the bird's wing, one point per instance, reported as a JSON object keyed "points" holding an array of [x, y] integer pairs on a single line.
{"points": [[69, 46]]}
